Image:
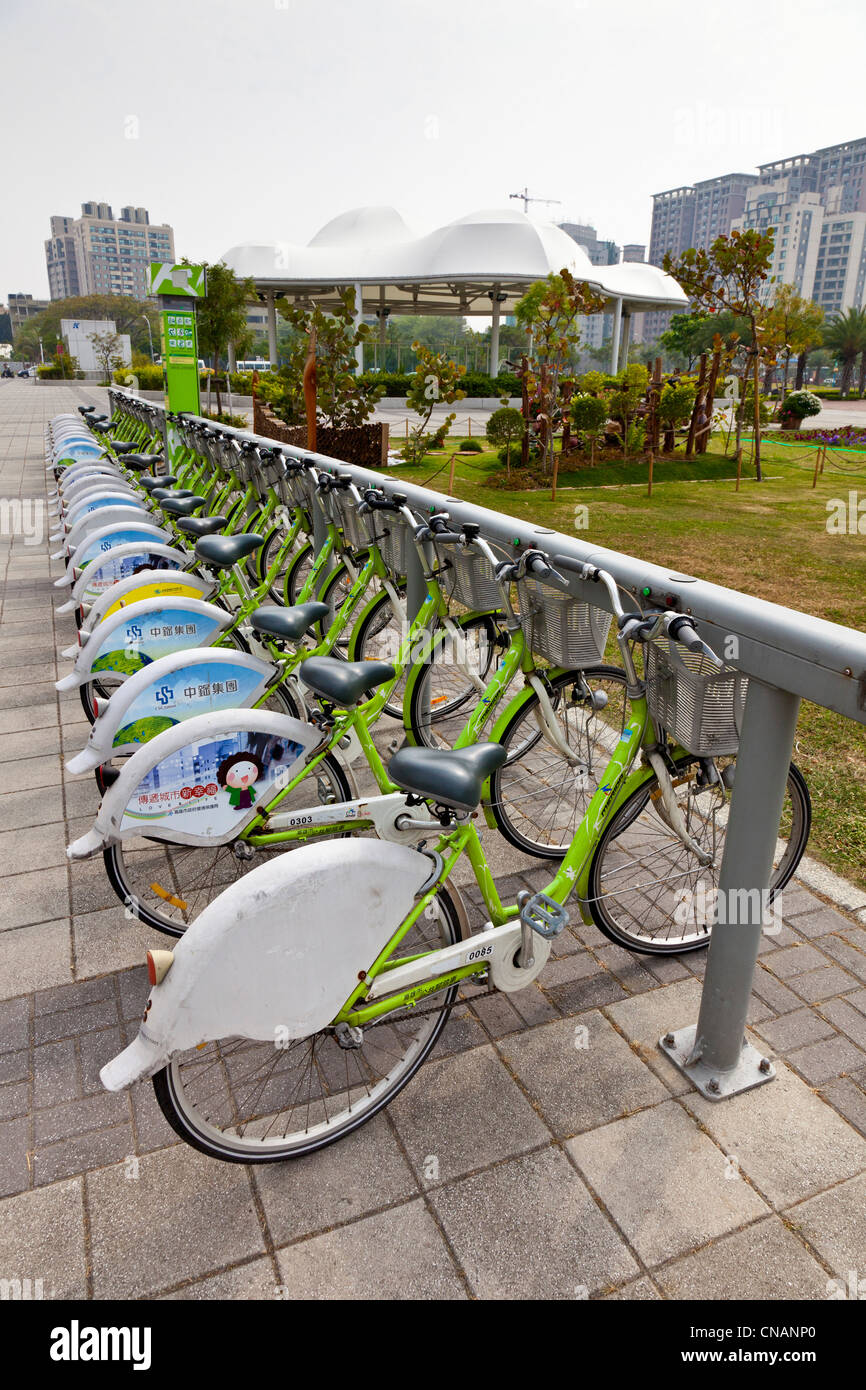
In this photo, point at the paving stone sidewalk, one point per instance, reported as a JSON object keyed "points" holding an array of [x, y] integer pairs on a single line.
{"points": [[516, 1164]]}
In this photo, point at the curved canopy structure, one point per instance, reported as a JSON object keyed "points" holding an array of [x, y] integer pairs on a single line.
{"points": [[479, 264]]}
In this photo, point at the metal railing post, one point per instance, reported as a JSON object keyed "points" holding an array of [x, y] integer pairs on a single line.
{"points": [[714, 1053]]}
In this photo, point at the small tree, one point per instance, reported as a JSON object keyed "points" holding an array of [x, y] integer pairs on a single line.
{"points": [[793, 326], [436, 380], [505, 427], [730, 276], [624, 401], [343, 399], [676, 404], [106, 350], [549, 313], [221, 317], [588, 416]]}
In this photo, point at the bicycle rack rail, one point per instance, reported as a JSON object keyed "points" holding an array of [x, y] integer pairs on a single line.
{"points": [[787, 655]]}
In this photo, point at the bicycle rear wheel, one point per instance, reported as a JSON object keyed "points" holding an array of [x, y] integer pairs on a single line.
{"points": [[648, 892], [251, 1102], [443, 697]]}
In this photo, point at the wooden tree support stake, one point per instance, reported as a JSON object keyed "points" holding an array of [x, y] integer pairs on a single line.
{"points": [[451, 475], [555, 476], [739, 467], [649, 491]]}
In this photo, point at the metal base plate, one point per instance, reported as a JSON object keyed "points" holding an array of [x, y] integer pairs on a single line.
{"points": [[753, 1068]]}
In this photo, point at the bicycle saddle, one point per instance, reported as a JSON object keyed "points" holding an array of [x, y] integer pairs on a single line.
{"points": [[225, 551], [202, 525], [290, 623], [160, 480], [139, 462], [453, 776], [121, 447], [343, 682], [176, 505], [163, 493]]}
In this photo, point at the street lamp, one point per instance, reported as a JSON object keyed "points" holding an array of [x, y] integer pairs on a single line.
{"points": [[149, 334]]}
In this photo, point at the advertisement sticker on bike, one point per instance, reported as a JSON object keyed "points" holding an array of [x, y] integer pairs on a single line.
{"points": [[160, 588], [142, 640], [106, 543], [124, 568], [196, 688], [208, 787]]}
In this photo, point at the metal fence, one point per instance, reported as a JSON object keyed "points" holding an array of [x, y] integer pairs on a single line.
{"points": [[787, 655]]}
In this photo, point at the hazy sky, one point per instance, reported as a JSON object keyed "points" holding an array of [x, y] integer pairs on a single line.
{"points": [[240, 120]]}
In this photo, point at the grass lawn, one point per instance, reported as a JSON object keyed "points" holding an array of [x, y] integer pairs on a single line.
{"points": [[770, 539]]}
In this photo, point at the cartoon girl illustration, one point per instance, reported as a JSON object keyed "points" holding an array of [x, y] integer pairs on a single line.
{"points": [[238, 774]]}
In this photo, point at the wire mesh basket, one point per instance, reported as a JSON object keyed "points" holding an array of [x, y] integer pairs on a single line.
{"points": [[293, 488], [696, 698], [393, 537], [356, 529], [467, 577], [560, 628]]}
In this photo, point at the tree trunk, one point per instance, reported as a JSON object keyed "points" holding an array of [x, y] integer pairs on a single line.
{"points": [[847, 373], [699, 393], [861, 385], [757, 414], [785, 382], [801, 371]]}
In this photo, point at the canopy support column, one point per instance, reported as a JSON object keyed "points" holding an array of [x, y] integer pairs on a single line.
{"points": [[496, 298], [614, 342], [272, 327], [359, 314]]}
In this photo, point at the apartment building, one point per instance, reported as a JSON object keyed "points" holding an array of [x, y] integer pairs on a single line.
{"points": [[97, 253]]}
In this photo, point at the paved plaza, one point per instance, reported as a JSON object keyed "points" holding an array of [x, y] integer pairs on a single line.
{"points": [[547, 1149]]}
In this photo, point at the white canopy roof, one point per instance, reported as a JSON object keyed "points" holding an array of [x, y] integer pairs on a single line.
{"points": [[452, 270]]}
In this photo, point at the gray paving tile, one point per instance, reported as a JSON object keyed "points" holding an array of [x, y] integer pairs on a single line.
{"points": [[816, 985], [183, 1217], [822, 1061], [77, 1116], [255, 1280], [786, 1140], [835, 1224], [529, 1229], [641, 1290], [796, 1029], [34, 957], [81, 1152], [109, 940], [14, 1100], [770, 989], [496, 1014], [794, 960], [397, 1254], [647, 1017], [820, 922], [764, 1262], [56, 1077], [581, 1075], [361, 1174], [42, 1237], [14, 1151], [653, 1216], [463, 1113], [42, 896], [846, 1096], [14, 1024], [21, 848], [592, 993], [68, 1022], [14, 1066], [849, 956]]}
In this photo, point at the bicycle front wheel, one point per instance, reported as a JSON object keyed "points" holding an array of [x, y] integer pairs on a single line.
{"points": [[648, 892], [443, 696], [538, 797], [251, 1102]]}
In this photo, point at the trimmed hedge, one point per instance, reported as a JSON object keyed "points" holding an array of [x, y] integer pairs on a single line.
{"points": [[472, 384]]}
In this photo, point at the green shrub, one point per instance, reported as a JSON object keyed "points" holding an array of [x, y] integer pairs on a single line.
{"points": [[472, 383], [471, 446]]}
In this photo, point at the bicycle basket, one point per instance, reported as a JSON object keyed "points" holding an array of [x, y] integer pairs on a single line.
{"points": [[696, 698], [355, 532], [467, 578], [562, 629], [293, 489], [393, 537]]}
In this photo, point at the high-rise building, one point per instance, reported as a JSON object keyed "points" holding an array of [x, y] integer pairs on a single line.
{"points": [[23, 307], [97, 253], [815, 202]]}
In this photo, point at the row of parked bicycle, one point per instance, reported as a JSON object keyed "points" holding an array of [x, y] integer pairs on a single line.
{"points": [[246, 630]]}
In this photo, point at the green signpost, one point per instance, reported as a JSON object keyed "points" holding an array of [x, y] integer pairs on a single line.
{"points": [[178, 287]]}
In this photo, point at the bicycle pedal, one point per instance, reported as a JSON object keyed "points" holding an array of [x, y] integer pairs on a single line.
{"points": [[546, 917]]}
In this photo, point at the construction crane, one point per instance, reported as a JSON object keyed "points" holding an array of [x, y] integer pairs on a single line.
{"points": [[526, 199]]}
